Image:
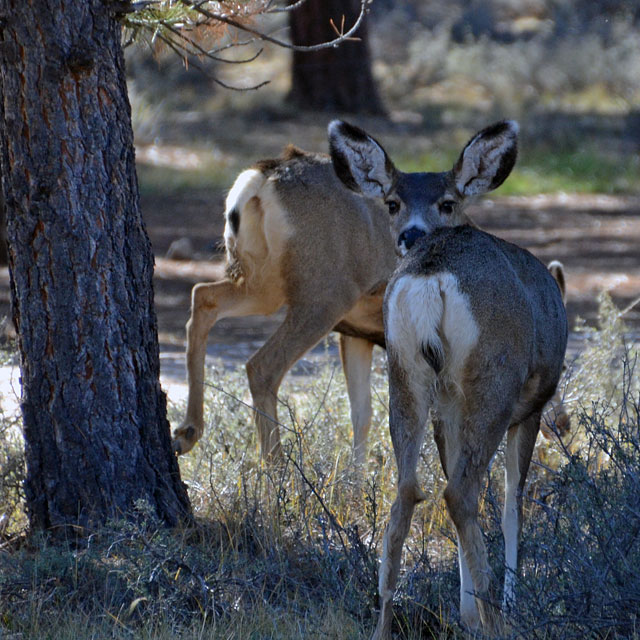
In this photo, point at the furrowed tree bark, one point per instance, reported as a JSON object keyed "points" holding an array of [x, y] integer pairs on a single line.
{"points": [[97, 438], [4, 256], [333, 79]]}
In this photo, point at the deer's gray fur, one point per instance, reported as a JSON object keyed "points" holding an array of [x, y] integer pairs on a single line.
{"points": [[476, 331]]}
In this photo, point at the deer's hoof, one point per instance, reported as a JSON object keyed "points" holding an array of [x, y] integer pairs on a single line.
{"points": [[184, 438]]}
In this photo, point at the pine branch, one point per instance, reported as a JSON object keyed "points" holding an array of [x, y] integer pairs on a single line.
{"points": [[185, 25], [204, 16]]}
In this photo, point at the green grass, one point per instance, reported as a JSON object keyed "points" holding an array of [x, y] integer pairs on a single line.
{"points": [[583, 171]]}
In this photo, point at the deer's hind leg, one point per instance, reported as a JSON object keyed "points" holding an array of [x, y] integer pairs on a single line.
{"points": [[446, 439], [409, 406], [305, 324], [473, 434], [210, 301], [356, 354], [461, 496], [521, 439]]}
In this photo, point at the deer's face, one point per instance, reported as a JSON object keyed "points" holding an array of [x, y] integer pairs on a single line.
{"points": [[418, 203], [421, 202]]}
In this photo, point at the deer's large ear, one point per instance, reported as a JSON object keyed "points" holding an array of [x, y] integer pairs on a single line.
{"points": [[488, 158], [360, 161]]}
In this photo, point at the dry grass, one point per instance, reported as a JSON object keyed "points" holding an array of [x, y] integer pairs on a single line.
{"points": [[293, 553]]}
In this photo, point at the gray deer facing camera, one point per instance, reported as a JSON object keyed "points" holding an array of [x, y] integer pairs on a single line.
{"points": [[476, 331]]}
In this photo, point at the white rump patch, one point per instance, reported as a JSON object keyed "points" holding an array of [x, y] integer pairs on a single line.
{"points": [[431, 311], [246, 186], [414, 315], [459, 326], [256, 251]]}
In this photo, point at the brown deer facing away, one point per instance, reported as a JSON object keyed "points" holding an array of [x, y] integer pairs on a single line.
{"points": [[296, 236], [476, 331]]}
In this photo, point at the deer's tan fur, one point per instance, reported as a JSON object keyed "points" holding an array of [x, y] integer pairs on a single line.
{"points": [[295, 237]]}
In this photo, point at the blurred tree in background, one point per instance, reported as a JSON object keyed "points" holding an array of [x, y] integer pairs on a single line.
{"points": [[331, 79]]}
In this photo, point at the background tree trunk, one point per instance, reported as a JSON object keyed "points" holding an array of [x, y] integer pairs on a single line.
{"points": [[334, 79], [97, 437]]}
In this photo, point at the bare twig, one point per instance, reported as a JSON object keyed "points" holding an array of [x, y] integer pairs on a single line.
{"points": [[629, 307], [174, 47], [208, 53], [219, 18], [339, 32], [233, 45], [290, 7]]}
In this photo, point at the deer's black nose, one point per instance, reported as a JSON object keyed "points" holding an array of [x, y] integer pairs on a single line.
{"points": [[409, 236]]}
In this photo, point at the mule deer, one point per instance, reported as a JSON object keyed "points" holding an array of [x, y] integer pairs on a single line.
{"points": [[295, 236], [476, 331]]}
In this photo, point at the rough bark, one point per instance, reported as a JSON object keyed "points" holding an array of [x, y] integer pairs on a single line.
{"points": [[333, 79], [97, 438], [4, 256]]}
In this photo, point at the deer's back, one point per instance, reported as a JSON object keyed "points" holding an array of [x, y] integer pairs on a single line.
{"points": [[334, 230], [514, 300]]}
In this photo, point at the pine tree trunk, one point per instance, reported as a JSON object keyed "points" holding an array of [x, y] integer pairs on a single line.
{"points": [[333, 79], [95, 426], [4, 256]]}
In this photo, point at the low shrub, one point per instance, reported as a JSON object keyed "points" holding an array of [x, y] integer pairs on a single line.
{"points": [[293, 553]]}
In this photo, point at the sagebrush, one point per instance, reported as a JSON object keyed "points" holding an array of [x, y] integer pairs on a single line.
{"points": [[293, 553]]}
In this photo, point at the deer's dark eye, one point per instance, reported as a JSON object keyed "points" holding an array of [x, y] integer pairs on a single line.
{"points": [[393, 206], [447, 207]]}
